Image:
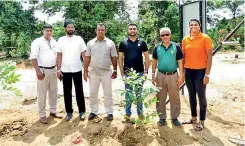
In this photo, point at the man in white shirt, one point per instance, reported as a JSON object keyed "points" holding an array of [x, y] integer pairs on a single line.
{"points": [[43, 56], [69, 67], [101, 53]]}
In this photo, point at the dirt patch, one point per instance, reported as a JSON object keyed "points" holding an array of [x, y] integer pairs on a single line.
{"points": [[224, 123], [29, 101], [14, 128]]}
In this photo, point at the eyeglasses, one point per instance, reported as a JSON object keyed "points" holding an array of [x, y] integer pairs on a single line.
{"points": [[162, 35], [132, 28]]}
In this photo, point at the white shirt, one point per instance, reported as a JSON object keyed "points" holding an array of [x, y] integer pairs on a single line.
{"points": [[71, 48], [45, 52]]}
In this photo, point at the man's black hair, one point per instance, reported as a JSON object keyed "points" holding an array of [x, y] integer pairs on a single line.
{"points": [[47, 26], [68, 21]]}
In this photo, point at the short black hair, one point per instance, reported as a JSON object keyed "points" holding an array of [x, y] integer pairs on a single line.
{"points": [[132, 24], [196, 20], [68, 21], [47, 26], [100, 24]]}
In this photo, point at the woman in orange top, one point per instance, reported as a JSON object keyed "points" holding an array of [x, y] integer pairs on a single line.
{"points": [[197, 49]]}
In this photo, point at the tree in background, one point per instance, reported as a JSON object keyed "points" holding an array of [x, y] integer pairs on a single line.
{"points": [[222, 26], [154, 15], [18, 27], [87, 14]]}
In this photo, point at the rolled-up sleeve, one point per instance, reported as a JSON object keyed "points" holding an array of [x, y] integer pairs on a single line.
{"points": [[113, 49], [34, 50]]}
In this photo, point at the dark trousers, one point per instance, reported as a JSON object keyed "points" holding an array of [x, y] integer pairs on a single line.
{"points": [[194, 83], [67, 88]]}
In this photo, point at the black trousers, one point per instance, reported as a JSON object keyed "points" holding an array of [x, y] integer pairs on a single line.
{"points": [[194, 83], [67, 88]]}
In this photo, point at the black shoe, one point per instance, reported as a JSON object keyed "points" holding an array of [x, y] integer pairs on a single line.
{"points": [[176, 122], [82, 116], [110, 117], [68, 116], [91, 116], [162, 122]]}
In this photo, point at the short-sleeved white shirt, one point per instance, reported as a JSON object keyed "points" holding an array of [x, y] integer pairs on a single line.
{"points": [[71, 48], [45, 52]]}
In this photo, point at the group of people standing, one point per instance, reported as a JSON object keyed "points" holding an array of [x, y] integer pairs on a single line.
{"points": [[62, 60]]}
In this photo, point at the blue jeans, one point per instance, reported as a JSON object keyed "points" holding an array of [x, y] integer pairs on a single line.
{"points": [[128, 99], [194, 83]]}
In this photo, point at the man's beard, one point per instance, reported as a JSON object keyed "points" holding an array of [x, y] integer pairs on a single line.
{"points": [[70, 32], [132, 34]]}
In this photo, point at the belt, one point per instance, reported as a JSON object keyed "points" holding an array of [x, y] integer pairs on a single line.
{"points": [[168, 73], [47, 67]]}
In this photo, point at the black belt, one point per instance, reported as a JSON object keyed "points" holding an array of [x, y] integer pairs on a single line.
{"points": [[47, 67], [168, 73]]}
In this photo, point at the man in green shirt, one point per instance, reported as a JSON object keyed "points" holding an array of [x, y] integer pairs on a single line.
{"points": [[167, 57]]}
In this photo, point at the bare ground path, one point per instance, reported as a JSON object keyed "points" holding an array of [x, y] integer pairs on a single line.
{"points": [[19, 123]]}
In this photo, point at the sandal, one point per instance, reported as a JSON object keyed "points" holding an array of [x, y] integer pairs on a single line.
{"points": [[190, 121], [200, 126]]}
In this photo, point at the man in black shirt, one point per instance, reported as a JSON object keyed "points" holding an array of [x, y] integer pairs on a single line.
{"points": [[130, 57]]}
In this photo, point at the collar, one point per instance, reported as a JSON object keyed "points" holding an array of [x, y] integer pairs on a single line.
{"points": [[47, 40], [132, 41], [70, 37], [105, 39], [199, 35], [171, 43]]}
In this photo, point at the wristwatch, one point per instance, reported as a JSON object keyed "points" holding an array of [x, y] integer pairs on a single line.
{"points": [[207, 75]]}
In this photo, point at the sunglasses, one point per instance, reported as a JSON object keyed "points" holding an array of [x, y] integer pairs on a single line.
{"points": [[162, 35], [132, 28]]}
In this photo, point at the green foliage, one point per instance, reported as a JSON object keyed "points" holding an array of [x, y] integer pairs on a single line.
{"points": [[19, 27], [14, 23], [148, 95], [154, 15], [87, 14], [8, 77], [222, 29]]}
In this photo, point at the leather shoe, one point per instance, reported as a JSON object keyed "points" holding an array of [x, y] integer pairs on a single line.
{"points": [[68, 116], [110, 117], [55, 115], [176, 122], [43, 120], [162, 122], [82, 116], [91, 116]]}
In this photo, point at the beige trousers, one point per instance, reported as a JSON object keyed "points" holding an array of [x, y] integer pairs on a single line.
{"points": [[47, 85], [168, 85], [95, 78]]}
